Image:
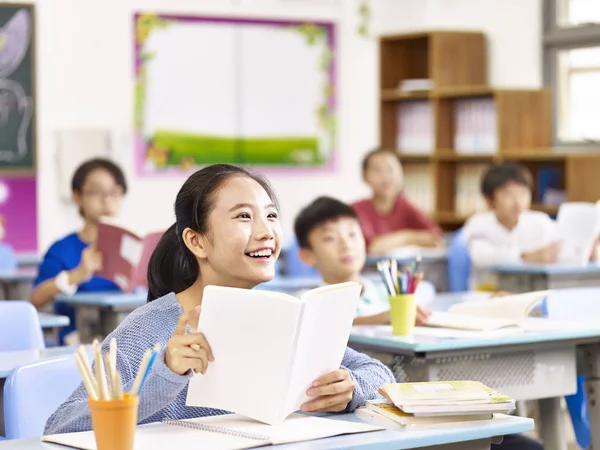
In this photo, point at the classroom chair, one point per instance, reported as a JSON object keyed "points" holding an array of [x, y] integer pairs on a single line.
{"points": [[293, 267], [573, 305], [459, 264], [19, 326], [8, 259], [34, 391]]}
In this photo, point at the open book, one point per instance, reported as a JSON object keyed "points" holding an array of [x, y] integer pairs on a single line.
{"points": [[269, 347], [489, 314], [578, 226], [125, 255], [228, 432]]}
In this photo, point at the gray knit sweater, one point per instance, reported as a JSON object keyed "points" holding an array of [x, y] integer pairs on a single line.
{"points": [[164, 392]]}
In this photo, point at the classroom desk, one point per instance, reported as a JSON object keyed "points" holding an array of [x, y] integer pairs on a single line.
{"points": [[539, 365], [97, 314], [16, 284], [474, 436], [52, 323], [10, 360], [433, 264], [28, 260], [532, 277]]}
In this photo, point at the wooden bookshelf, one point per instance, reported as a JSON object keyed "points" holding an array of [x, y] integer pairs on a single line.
{"points": [[518, 121]]}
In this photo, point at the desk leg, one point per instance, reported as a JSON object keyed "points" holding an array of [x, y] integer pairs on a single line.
{"points": [[2, 380], [591, 369], [551, 424]]}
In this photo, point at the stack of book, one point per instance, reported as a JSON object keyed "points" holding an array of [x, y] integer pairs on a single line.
{"points": [[435, 404]]}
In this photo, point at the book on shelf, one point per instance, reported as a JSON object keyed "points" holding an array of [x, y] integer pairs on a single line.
{"points": [[475, 130], [467, 195], [416, 127], [416, 84], [489, 314], [419, 186], [311, 332]]}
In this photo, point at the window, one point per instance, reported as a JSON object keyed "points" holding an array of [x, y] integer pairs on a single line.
{"points": [[572, 68]]}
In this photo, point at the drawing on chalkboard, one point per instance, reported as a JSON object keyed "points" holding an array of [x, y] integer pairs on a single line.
{"points": [[255, 92], [16, 103]]}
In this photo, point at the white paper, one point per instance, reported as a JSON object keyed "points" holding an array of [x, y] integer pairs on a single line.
{"points": [[578, 225], [131, 250]]}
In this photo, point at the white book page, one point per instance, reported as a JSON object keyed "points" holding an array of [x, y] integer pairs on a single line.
{"points": [[325, 328], [467, 322], [512, 307], [252, 335], [578, 226]]}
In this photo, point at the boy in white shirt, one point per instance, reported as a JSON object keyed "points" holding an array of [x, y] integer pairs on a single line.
{"points": [[331, 240], [510, 232]]}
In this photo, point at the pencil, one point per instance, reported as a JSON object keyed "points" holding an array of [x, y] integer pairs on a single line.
{"points": [[141, 371], [155, 352], [88, 369], [100, 372], [85, 375]]}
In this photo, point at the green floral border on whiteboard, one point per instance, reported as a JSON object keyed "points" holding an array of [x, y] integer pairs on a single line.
{"points": [[144, 26], [314, 36]]}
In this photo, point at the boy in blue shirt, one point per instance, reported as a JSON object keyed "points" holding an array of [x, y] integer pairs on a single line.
{"points": [[331, 240], [69, 265]]}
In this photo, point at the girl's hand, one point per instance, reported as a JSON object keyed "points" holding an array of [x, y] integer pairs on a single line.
{"points": [[333, 391], [188, 351]]}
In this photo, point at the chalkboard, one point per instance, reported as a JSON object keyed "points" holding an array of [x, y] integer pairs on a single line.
{"points": [[17, 108]]}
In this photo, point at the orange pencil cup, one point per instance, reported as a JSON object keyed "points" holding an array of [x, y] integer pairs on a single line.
{"points": [[114, 422], [403, 313]]}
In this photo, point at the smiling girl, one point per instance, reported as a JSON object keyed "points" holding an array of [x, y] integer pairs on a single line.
{"points": [[227, 233]]}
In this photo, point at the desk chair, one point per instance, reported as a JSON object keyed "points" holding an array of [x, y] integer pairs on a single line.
{"points": [[19, 326], [34, 391], [568, 304], [8, 259], [459, 264], [293, 267]]}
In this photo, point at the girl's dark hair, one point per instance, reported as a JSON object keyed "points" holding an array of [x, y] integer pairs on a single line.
{"points": [[88, 167], [172, 266]]}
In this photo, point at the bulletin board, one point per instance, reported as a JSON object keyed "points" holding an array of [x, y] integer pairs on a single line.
{"points": [[18, 212], [241, 91], [17, 81]]}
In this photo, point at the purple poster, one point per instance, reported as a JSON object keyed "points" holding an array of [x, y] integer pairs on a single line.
{"points": [[18, 214]]}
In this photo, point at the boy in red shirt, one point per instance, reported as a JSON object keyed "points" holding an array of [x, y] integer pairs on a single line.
{"points": [[388, 219]]}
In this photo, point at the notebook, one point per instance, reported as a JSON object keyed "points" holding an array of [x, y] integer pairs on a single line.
{"points": [[489, 314], [276, 343], [228, 432], [125, 255]]}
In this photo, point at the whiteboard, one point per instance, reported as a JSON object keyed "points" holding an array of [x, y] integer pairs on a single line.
{"points": [[250, 92]]}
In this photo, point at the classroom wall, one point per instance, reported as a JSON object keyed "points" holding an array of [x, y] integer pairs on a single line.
{"points": [[85, 79]]}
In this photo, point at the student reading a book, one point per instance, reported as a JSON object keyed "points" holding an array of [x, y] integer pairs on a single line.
{"points": [[331, 240], [510, 232], [98, 187], [388, 219], [227, 233]]}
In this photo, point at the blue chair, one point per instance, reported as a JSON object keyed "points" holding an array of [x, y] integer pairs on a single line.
{"points": [[573, 305], [19, 326], [8, 259], [459, 264], [34, 391], [293, 266]]}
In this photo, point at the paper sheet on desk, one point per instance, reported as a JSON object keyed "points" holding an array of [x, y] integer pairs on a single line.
{"points": [[452, 333]]}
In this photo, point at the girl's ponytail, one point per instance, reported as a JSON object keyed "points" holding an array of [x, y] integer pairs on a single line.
{"points": [[172, 267]]}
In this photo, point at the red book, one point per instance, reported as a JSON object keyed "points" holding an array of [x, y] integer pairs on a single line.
{"points": [[125, 255]]}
